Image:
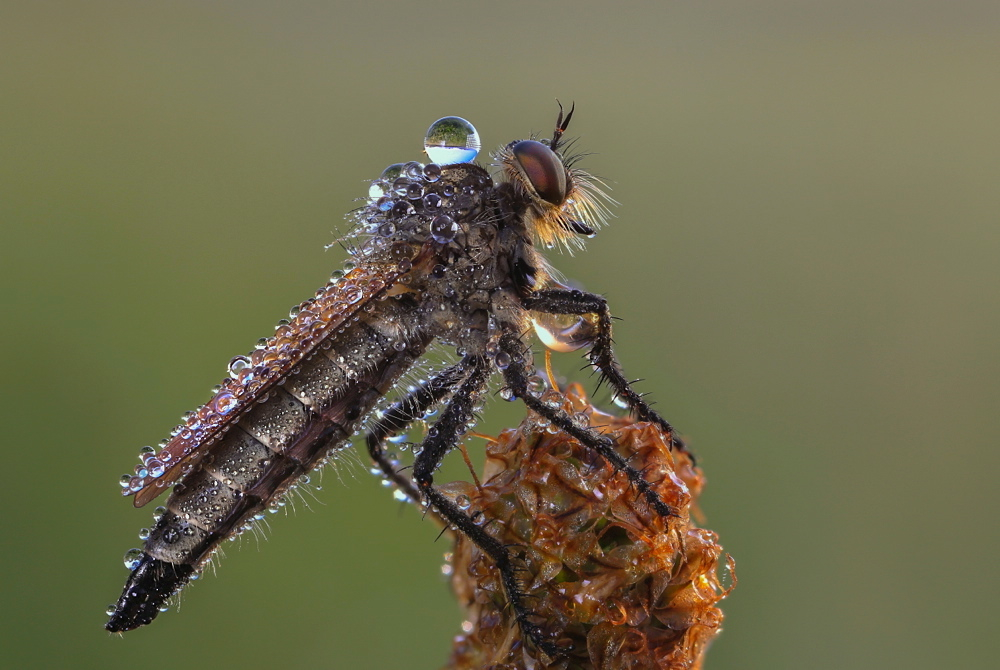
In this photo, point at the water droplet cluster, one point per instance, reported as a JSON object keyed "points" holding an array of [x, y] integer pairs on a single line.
{"points": [[411, 203]]}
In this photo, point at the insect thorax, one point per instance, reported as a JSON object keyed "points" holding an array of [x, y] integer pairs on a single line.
{"points": [[453, 224]]}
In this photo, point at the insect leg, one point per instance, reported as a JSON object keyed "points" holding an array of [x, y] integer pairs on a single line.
{"points": [[402, 413], [441, 439], [516, 375], [602, 355]]}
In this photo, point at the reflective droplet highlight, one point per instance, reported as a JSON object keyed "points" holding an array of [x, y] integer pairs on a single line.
{"points": [[443, 229], [432, 172], [392, 173], [413, 170], [132, 558]]}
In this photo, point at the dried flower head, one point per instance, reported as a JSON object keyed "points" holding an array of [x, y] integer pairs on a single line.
{"points": [[616, 584]]}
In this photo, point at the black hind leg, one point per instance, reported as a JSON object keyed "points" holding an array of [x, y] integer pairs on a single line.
{"points": [[442, 438], [404, 412]]}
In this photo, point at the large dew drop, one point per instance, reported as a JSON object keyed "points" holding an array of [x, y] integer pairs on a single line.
{"points": [[451, 140], [563, 332]]}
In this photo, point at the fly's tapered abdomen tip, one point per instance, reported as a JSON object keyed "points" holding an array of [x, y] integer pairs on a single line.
{"points": [[149, 586]]}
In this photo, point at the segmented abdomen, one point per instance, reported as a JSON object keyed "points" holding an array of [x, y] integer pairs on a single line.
{"points": [[284, 436]]}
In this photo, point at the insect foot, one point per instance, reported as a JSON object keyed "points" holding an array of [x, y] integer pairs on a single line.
{"points": [[607, 580]]}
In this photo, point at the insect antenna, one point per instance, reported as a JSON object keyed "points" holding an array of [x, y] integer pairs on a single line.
{"points": [[562, 123]]}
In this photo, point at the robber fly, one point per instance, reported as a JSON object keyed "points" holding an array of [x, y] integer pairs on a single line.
{"points": [[443, 252]]}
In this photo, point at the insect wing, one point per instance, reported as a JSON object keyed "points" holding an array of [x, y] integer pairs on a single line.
{"points": [[251, 377]]}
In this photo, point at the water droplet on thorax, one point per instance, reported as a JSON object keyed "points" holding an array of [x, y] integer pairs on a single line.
{"points": [[413, 170], [443, 229], [432, 172]]}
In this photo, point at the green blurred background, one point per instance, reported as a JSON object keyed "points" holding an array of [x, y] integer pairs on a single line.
{"points": [[805, 258]]}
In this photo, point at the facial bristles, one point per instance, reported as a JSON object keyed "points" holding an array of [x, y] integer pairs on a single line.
{"points": [[588, 202], [585, 203]]}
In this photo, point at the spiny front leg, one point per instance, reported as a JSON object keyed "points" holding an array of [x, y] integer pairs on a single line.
{"points": [[602, 355], [442, 438], [404, 412], [516, 375]]}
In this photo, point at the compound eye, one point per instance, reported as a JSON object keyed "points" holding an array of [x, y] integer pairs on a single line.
{"points": [[543, 170]]}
